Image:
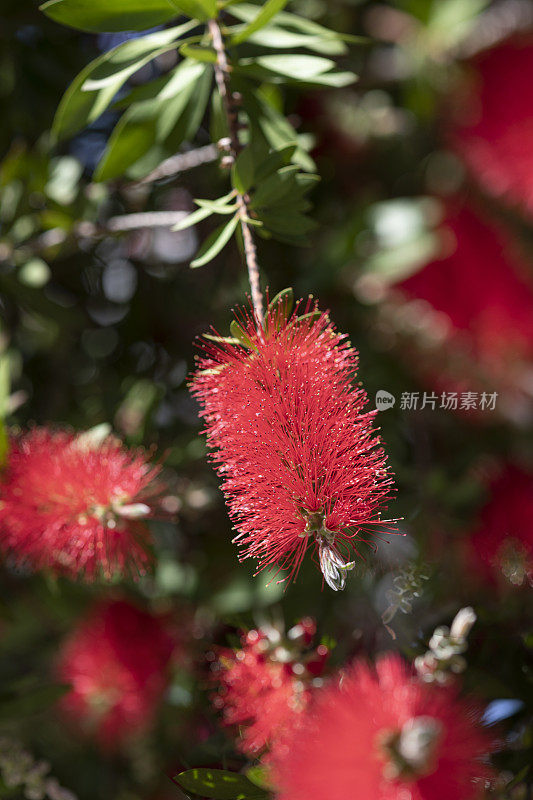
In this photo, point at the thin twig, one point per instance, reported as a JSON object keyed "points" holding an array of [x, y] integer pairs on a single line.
{"points": [[222, 77], [90, 230], [181, 163]]}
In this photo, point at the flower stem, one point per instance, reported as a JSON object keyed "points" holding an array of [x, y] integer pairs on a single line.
{"points": [[222, 77]]}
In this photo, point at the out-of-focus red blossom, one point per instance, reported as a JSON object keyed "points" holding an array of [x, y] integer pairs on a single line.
{"points": [[75, 506], [385, 736], [268, 682], [117, 663], [469, 313], [480, 284], [291, 439], [501, 545], [492, 120]]}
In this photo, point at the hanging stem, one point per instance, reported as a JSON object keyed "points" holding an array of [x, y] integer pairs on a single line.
{"points": [[233, 148]]}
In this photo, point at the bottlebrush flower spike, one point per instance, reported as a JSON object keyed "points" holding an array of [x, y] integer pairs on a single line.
{"points": [[387, 734], [76, 505], [268, 682], [300, 461], [116, 662]]}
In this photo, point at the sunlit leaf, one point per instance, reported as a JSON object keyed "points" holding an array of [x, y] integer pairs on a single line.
{"points": [[265, 14], [112, 15], [215, 242]]}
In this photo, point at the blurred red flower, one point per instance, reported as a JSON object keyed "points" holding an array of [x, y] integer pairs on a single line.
{"points": [[263, 685], [501, 545], [492, 120], [480, 283], [299, 458], [116, 662], [382, 734], [76, 506], [465, 320]]}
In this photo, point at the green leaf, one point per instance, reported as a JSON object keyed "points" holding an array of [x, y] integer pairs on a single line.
{"points": [[91, 92], [247, 11], [266, 12], [294, 66], [199, 53], [170, 118], [133, 135], [275, 187], [217, 208], [101, 16], [219, 784], [242, 173], [239, 333], [278, 38], [192, 219], [215, 242], [274, 161], [284, 300]]}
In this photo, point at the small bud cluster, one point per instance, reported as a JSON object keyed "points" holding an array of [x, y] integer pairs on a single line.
{"points": [[444, 657], [407, 587], [19, 770]]}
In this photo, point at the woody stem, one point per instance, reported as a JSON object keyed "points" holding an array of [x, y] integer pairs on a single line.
{"points": [[230, 104]]}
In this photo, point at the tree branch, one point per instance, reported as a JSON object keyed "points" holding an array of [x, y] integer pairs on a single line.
{"points": [[222, 77]]}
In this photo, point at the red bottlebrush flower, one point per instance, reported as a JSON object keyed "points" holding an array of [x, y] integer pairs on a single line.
{"points": [[265, 684], [299, 458], [501, 545], [493, 121], [386, 734], [116, 662], [75, 506]]}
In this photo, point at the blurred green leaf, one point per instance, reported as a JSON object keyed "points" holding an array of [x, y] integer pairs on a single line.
{"points": [[243, 170], [193, 219], [100, 16], [97, 84], [265, 14], [215, 242], [219, 784], [295, 66], [203, 54], [174, 114]]}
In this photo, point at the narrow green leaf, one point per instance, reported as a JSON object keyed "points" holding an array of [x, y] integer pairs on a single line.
{"points": [[91, 92], [272, 189], [295, 66], [284, 299], [100, 16], [219, 784], [278, 38], [215, 242], [239, 333], [274, 161], [203, 54], [242, 173], [247, 11], [217, 208], [192, 219], [266, 12], [133, 135]]}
